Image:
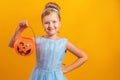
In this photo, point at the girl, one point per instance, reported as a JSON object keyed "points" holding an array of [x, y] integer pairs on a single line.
{"points": [[51, 48]]}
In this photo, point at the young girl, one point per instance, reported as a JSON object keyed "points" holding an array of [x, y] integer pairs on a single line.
{"points": [[50, 48]]}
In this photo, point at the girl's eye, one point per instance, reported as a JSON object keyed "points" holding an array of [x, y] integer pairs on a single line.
{"points": [[46, 23], [54, 21]]}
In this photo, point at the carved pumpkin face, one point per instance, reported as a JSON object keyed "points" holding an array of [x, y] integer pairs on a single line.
{"points": [[24, 46]]}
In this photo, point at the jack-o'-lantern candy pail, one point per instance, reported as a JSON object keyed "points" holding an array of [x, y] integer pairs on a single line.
{"points": [[24, 46]]}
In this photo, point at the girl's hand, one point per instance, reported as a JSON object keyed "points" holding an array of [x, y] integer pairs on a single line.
{"points": [[63, 67], [23, 24]]}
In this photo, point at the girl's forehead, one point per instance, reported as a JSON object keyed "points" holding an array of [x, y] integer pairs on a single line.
{"points": [[52, 15]]}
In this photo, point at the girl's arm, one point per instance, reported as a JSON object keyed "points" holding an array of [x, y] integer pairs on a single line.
{"points": [[22, 25], [82, 57]]}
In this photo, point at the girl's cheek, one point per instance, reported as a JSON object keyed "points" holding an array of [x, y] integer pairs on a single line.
{"points": [[45, 26]]}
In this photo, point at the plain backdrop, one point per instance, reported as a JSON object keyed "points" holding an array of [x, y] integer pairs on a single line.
{"points": [[91, 25]]}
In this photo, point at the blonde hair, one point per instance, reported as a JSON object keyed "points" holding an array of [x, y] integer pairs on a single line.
{"points": [[51, 7]]}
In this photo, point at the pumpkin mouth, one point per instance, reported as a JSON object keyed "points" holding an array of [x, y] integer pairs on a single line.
{"points": [[22, 52]]}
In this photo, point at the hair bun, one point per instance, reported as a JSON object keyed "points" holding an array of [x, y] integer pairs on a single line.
{"points": [[52, 5]]}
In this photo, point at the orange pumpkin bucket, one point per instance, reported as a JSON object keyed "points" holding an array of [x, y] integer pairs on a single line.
{"points": [[24, 46]]}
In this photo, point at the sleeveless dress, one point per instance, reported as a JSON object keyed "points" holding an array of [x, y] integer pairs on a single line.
{"points": [[49, 57]]}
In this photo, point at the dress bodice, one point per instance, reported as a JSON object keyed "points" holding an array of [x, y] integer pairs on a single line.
{"points": [[50, 53]]}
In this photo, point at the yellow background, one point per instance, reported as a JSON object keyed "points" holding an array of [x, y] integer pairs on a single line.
{"points": [[92, 25]]}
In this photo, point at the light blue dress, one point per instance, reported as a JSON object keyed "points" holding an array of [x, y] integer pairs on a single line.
{"points": [[49, 55]]}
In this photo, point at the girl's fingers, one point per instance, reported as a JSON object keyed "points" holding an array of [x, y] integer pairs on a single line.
{"points": [[23, 24]]}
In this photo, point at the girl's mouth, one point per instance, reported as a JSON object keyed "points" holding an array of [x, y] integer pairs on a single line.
{"points": [[50, 29]]}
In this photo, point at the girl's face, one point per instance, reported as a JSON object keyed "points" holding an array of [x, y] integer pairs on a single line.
{"points": [[51, 23]]}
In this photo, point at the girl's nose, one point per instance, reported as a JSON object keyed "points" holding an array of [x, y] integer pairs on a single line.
{"points": [[51, 24]]}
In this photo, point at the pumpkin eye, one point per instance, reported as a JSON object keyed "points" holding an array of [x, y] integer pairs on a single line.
{"points": [[27, 45], [21, 43]]}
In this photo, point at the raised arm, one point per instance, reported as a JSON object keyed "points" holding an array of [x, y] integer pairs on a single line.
{"points": [[82, 57], [22, 25]]}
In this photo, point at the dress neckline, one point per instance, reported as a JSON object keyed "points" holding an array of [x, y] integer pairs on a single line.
{"points": [[51, 39]]}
